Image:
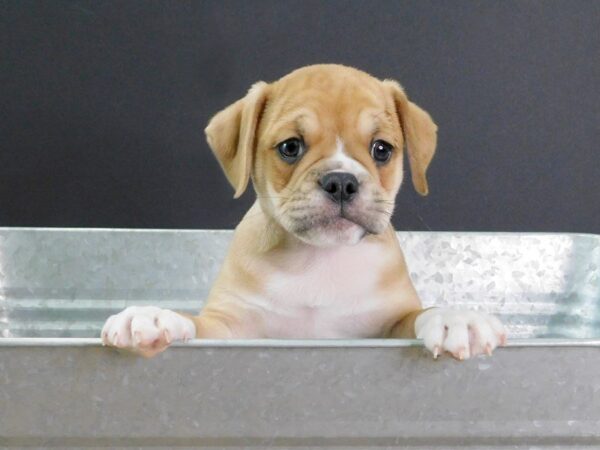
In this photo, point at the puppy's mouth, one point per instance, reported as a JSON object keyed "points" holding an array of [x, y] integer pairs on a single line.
{"points": [[320, 217], [341, 221], [348, 219]]}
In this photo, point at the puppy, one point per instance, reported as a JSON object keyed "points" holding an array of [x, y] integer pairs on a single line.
{"points": [[316, 255]]}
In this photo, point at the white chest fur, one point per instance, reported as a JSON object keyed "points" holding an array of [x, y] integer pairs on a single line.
{"points": [[326, 293]]}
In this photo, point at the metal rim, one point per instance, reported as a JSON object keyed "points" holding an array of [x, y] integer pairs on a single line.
{"points": [[290, 343]]}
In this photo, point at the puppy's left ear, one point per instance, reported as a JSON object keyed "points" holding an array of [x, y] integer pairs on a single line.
{"points": [[420, 134], [231, 134]]}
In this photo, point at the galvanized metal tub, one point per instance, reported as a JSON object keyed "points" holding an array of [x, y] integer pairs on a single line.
{"points": [[60, 388]]}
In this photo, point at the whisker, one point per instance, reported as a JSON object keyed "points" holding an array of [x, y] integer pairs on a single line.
{"points": [[387, 202], [276, 197], [423, 222], [414, 210], [382, 211], [296, 208]]}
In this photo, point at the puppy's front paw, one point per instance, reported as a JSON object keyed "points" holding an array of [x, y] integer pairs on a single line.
{"points": [[146, 330], [461, 333]]}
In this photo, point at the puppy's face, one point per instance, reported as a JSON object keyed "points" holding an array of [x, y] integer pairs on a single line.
{"points": [[324, 148]]}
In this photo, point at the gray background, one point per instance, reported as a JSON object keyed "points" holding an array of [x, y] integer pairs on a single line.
{"points": [[102, 105]]}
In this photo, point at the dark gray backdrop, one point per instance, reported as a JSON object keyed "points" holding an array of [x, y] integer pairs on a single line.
{"points": [[103, 105]]}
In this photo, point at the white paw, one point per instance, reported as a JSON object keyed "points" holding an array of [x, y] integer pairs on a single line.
{"points": [[146, 329], [461, 333]]}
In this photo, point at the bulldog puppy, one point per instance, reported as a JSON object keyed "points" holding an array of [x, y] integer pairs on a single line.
{"points": [[316, 255]]}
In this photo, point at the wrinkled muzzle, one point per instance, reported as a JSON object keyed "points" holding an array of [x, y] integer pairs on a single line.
{"points": [[333, 204]]}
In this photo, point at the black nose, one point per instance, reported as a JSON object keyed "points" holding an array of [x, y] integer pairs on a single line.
{"points": [[340, 186]]}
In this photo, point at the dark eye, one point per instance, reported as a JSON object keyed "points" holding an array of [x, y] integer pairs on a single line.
{"points": [[291, 150], [381, 151]]}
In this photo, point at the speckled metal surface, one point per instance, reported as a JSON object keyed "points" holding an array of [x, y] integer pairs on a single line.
{"points": [[60, 389], [540, 285], [65, 283]]}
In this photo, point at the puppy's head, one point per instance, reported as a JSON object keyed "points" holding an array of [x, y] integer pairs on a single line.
{"points": [[324, 148]]}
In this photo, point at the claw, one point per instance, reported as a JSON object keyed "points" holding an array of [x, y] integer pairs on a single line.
{"points": [[436, 351], [115, 339], [462, 354], [137, 338], [167, 336]]}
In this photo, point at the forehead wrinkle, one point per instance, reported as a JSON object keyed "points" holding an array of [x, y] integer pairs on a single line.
{"points": [[370, 121], [301, 120]]}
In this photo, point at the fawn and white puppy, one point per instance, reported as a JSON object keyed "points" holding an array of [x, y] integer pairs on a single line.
{"points": [[316, 255]]}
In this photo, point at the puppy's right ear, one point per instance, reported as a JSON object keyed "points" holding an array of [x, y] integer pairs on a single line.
{"points": [[231, 135], [420, 134]]}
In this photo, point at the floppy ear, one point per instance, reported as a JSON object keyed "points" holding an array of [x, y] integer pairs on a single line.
{"points": [[420, 134], [231, 135]]}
